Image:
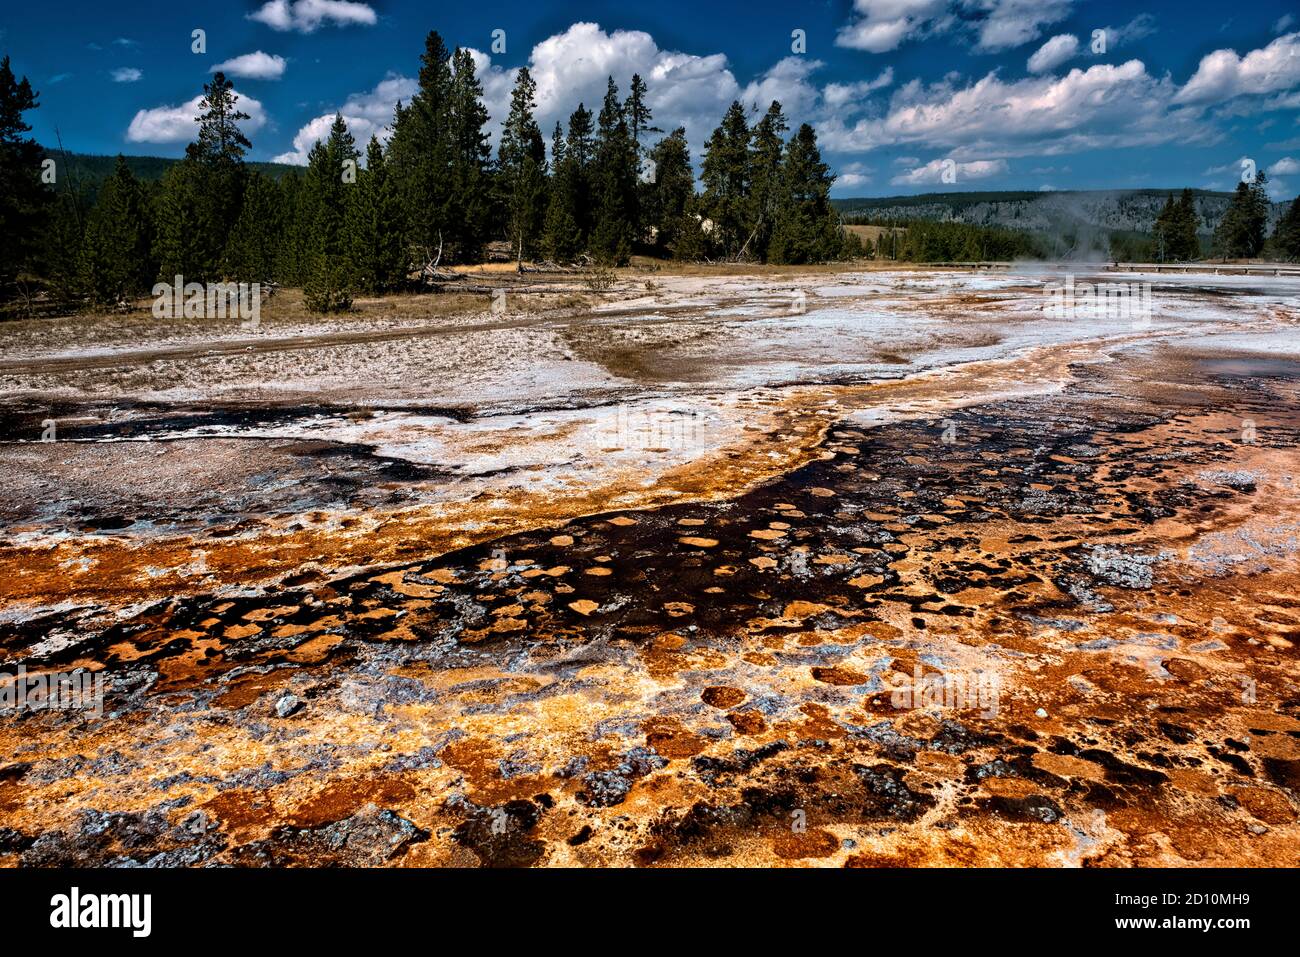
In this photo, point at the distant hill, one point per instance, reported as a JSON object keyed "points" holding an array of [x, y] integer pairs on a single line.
{"points": [[90, 170], [1080, 214]]}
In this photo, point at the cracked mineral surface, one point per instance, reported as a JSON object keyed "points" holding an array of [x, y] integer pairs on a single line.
{"points": [[911, 574]]}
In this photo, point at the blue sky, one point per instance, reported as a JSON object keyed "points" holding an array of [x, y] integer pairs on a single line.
{"points": [[1000, 94]]}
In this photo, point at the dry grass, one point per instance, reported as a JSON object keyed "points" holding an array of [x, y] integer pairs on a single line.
{"points": [[870, 234]]}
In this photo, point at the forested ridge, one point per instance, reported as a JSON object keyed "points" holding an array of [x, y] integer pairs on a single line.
{"points": [[1133, 225]]}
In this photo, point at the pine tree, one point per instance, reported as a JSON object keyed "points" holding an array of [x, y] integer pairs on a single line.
{"points": [[116, 251], [807, 228], [420, 156], [220, 141], [764, 177], [725, 174], [24, 199], [561, 234], [471, 206], [329, 278], [1257, 216], [614, 183], [638, 111], [1229, 234], [185, 235], [580, 150], [58, 258], [671, 191], [255, 250], [202, 194], [294, 251], [581, 143], [1240, 233], [1165, 239], [1286, 236], [639, 116], [219, 152], [692, 242], [1187, 244], [374, 226], [521, 165], [852, 246]]}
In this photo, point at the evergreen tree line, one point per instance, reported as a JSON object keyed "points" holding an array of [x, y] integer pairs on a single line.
{"points": [[940, 241], [23, 195], [1240, 234], [1286, 236], [432, 195], [1175, 230]]}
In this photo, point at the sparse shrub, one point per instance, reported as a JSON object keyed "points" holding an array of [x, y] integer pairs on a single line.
{"points": [[327, 288], [601, 278]]}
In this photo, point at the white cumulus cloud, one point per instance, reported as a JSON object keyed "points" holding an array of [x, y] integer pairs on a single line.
{"points": [[307, 16], [366, 114], [126, 74], [848, 96], [1012, 23], [1223, 75], [1106, 105], [1053, 53], [933, 172], [1143, 25], [879, 26], [853, 175], [178, 124], [572, 67], [683, 88], [788, 83], [253, 66]]}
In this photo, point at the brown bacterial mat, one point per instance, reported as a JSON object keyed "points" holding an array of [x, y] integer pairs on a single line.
{"points": [[1045, 631]]}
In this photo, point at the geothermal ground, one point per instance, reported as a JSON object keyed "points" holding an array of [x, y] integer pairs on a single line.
{"points": [[835, 568]]}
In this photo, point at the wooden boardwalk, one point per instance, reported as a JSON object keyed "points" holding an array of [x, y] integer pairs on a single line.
{"points": [[1224, 269]]}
